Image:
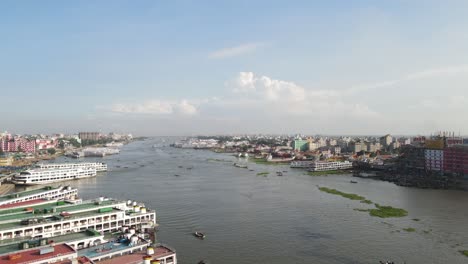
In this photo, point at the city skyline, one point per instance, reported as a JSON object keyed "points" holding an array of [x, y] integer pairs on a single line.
{"points": [[183, 68]]}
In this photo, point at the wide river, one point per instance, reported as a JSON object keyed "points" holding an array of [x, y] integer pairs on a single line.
{"points": [[276, 220]]}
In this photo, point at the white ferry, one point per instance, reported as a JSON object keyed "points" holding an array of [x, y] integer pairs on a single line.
{"points": [[98, 165], [45, 176]]}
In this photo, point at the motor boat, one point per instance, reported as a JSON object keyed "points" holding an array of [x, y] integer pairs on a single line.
{"points": [[199, 235]]}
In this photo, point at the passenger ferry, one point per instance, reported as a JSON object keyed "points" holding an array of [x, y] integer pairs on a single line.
{"points": [[45, 176], [98, 165]]}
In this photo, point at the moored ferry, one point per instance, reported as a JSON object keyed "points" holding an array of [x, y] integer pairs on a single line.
{"points": [[100, 166], [45, 176]]}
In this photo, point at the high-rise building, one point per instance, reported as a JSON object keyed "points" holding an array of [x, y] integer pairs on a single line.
{"points": [[89, 136]]}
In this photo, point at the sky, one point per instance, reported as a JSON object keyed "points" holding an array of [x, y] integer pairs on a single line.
{"points": [[228, 67]]}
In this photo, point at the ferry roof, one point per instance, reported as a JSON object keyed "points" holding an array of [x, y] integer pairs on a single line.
{"points": [[9, 196], [81, 260], [137, 257], [33, 255], [22, 204], [88, 208], [12, 245]]}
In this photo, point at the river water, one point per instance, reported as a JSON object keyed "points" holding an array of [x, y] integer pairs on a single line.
{"points": [[276, 220]]}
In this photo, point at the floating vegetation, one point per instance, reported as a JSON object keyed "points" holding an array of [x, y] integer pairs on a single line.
{"points": [[350, 196], [387, 211], [361, 210], [265, 162], [427, 231], [416, 219], [265, 173], [379, 211], [464, 252], [409, 229], [322, 173]]}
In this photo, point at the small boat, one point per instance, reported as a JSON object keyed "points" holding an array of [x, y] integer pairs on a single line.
{"points": [[199, 235], [240, 165], [353, 182], [177, 175]]}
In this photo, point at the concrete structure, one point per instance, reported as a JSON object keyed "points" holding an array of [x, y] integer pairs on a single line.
{"points": [[300, 145], [456, 160], [46, 144], [434, 159], [17, 144], [386, 140], [93, 136]]}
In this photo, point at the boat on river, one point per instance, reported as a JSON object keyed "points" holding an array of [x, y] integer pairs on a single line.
{"points": [[199, 235]]}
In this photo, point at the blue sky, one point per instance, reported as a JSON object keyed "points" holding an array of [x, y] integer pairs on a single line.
{"points": [[190, 67]]}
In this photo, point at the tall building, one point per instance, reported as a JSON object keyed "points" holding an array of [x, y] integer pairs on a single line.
{"points": [[386, 140], [89, 136], [300, 145], [456, 160]]}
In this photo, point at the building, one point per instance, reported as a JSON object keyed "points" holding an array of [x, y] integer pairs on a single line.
{"points": [[332, 165], [17, 144], [356, 147], [300, 145], [46, 144], [386, 140], [412, 158], [456, 160], [434, 159], [92, 136]]}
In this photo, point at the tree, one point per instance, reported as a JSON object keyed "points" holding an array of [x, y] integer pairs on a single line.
{"points": [[51, 151]]}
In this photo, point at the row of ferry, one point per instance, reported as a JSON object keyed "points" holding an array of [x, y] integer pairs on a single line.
{"points": [[57, 172]]}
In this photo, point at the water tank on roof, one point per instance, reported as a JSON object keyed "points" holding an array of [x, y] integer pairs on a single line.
{"points": [[150, 251]]}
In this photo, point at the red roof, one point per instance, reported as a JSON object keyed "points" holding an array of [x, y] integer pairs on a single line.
{"points": [[20, 204], [33, 255], [137, 257]]}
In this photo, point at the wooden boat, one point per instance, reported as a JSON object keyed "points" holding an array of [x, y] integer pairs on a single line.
{"points": [[199, 235]]}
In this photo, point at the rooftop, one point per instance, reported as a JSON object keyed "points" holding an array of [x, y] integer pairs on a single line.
{"points": [[11, 245], [137, 257], [89, 210], [34, 255], [25, 193]]}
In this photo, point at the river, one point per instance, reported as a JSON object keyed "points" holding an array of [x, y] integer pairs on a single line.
{"points": [[276, 220]]}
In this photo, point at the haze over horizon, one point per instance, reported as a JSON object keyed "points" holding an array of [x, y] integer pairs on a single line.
{"points": [[184, 67]]}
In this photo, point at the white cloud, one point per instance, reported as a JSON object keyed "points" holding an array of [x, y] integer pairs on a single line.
{"points": [[234, 51], [420, 75], [280, 97], [156, 107]]}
